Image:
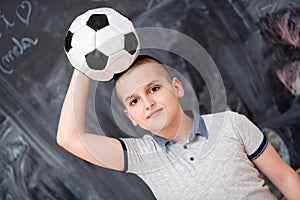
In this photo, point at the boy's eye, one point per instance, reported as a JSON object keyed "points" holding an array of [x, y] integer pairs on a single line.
{"points": [[153, 89], [133, 102]]}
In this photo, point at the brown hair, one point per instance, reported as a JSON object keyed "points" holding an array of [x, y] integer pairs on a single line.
{"points": [[141, 59]]}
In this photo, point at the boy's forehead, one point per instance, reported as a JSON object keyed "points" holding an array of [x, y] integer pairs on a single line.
{"points": [[140, 77]]}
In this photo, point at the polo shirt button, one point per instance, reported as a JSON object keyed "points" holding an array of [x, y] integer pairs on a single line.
{"points": [[185, 146], [192, 158]]}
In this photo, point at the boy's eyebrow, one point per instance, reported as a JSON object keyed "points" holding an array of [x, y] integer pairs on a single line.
{"points": [[127, 98]]}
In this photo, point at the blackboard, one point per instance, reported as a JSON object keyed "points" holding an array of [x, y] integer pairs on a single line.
{"points": [[35, 73]]}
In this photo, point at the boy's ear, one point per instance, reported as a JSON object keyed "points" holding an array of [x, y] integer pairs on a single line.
{"points": [[178, 87], [130, 117]]}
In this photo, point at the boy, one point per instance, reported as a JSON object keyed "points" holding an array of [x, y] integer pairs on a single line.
{"points": [[185, 157]]}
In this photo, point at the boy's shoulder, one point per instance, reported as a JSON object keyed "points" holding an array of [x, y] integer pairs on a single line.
{"points": [[221, 119], [226, 113], [227, 124]]}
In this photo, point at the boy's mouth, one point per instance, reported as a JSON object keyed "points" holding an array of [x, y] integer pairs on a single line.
{"points": [[154, 113]]}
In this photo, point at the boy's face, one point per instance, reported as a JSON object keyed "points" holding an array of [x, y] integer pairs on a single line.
{"points": [[150, 96]]}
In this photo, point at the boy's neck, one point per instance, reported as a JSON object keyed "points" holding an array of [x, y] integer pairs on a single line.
{"points": [[180, 128]]}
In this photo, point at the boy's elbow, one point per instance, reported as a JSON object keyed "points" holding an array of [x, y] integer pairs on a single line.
{"points": [[63, 134], [62, 140]]}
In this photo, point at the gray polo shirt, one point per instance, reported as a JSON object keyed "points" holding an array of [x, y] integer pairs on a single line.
{"points": [[215, 162]]}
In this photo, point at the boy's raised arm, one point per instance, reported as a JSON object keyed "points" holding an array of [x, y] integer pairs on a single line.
{"points": [[71, 134]]}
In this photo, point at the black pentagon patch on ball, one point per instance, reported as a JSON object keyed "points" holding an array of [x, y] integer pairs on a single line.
{"points": [[131, 43], [68, 40], [96, 60], [97, 21]]}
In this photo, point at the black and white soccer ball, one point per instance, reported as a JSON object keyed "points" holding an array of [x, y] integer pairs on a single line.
{"points": [[101, 42]]}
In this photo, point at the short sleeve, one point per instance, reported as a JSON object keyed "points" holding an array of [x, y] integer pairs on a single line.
{"points": [[137, 152], [250, 136], [125, 155]]}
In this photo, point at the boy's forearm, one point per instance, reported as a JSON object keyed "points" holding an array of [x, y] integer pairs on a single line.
{"points": [[290, 187], [72, 117]]}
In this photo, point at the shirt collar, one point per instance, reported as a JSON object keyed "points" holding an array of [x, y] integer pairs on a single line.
{"points": [[199, 128]]}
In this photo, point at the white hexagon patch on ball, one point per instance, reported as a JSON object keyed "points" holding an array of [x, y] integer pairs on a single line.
{"points": [[101, 42]]}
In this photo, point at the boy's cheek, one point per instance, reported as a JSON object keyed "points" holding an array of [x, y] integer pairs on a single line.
{"points": [[135, 112]]}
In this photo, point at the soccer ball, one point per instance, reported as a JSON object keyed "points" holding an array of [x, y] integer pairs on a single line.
{"points": [[101, 42]]}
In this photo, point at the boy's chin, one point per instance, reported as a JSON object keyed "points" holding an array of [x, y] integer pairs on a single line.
{"points": [[155, 124], [155, 127]]}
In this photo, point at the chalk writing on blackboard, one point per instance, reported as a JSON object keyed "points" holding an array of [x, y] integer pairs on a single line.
{"points": [[25, 6], [23, 12], [18, 50], [6, 21]]}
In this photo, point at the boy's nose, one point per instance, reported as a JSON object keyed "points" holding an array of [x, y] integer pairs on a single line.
{"points": [[149, 102]]}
